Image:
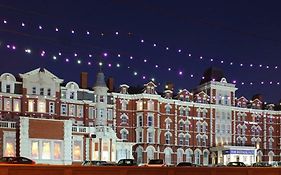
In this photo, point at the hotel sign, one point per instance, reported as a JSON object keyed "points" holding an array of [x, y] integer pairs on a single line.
{"points": [[239, 152]]}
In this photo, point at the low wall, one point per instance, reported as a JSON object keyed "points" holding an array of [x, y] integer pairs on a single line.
{"points": [[80, 170]]}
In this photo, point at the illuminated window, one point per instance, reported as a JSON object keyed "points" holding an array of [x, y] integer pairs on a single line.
{"points": [[57, 151], [71, 110], [41, 106], [10, 147], [35, 150], [7, 104], [17, 105], [139, 105], [150, 105], [124, 105], [30, 105], [46, 150], [77, 150], [105, 151], [96, 151]]}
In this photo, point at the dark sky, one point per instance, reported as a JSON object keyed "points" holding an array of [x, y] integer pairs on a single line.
{"points": [[241, 32]]}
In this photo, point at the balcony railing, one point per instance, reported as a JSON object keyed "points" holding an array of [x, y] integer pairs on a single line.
{"points": [[6, 124]]}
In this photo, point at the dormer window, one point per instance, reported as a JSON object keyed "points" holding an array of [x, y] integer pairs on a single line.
{"points": [[8, 88], [33, 90], [41, 91], [49, 92], [71, 95]]}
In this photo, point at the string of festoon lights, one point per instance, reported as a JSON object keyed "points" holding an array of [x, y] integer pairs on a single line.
{"points": [[88, 33], [93, 60]]}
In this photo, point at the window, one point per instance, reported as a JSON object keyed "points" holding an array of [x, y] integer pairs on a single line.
{"points": [[187, 126], [181, 138], [7, 104], [140, 136], [8, 88], [35, 149], [198, 141], [270, 144], [139, 105], [150, 105], [168, 109], [79, 111], [181, 111], [187, 137], [42, 106], [109, 114], [30, 105], [124, 119], [71, 110], [77, 150], [124, 105], [140, 123], [101, 98], [150, 137], [150, 121], [168, 138], [72, 94], [63, 109], [46, 150], [51, 107], [57, 151], [41, 91], [49, 92], [168, 124], [124, 135], [9, 147], [17, 105], [198, 126], [33, 90], [101, 113], [204, 141], [204, 127], [181, 126]]}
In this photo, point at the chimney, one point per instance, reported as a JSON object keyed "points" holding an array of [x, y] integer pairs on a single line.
{"points": [[84, 80], [110, 84]]}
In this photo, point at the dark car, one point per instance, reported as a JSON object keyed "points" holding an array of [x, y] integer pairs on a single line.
{"points": [[262, 164], [156, 163], [94, 163], [126, 162], [236, 164], [16, 160], [187, 164]]}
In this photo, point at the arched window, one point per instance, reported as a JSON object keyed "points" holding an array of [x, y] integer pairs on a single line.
{"points": [[139, 155], [188, 156], [187, 138], [124, 134], [181, 139], [168, 123], [187, 123], [168, 109], [124, 119], [150, 105], [168, 138], [197, 157], [179, 156], [181, 125], [124, 105], [205, 157], [150, 153], [198, 126], [198, 139], [168, 156], [181, 111]]}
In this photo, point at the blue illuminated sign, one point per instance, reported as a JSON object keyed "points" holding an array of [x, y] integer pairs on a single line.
{"points": [[238, 152]]}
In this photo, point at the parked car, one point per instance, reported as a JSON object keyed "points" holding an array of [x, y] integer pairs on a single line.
{"points": [[236, 164], [156, 163], [126, 162], [16, 160], [275, 164], [262, 164], [187, 164], [93, 163]]}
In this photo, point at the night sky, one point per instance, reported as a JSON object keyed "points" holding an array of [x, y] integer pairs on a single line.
{"points": [[229, 35]]}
